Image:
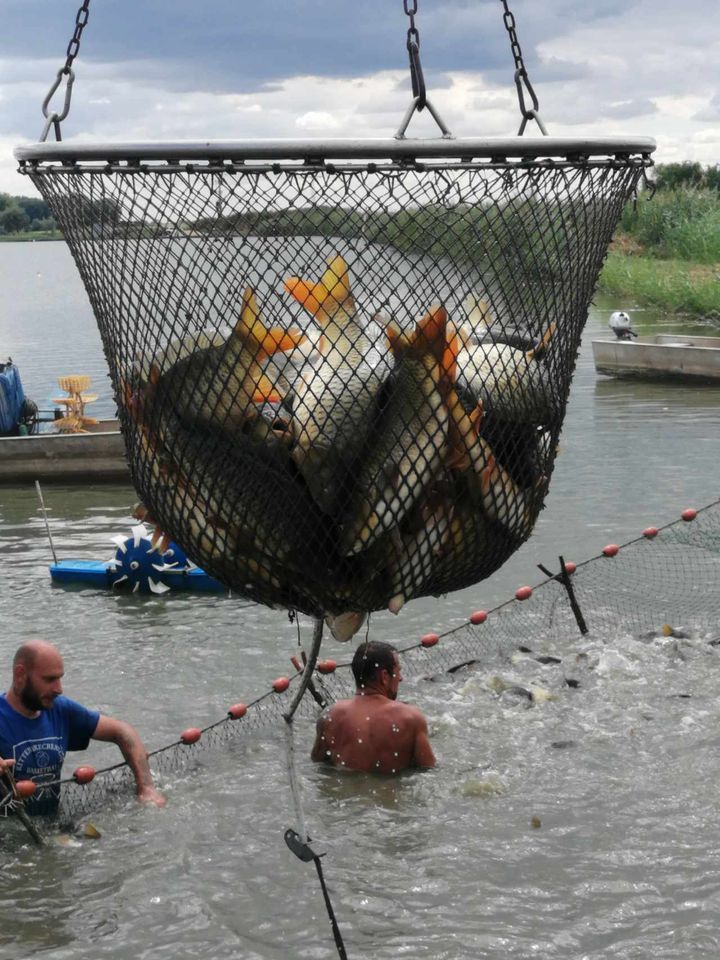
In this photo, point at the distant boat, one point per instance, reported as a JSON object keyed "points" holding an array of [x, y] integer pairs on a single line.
{"points": [[660, 356], [88, 449]]}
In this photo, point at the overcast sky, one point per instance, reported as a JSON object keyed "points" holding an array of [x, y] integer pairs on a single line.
{"points": [[172, 69]]}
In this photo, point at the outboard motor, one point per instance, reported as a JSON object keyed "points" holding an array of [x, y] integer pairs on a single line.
{"points": [[619, 323]]}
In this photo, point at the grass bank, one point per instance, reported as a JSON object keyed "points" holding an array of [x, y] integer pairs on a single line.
{"points": [[27, 236], [674, 285], [667, 249]]}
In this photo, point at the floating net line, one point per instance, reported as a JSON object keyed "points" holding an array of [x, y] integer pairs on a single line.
{"points": [[340, 383], [664, 578]]}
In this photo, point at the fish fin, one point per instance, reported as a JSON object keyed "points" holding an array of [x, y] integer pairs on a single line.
{"points": [[430, 334], [266, 391], [326, 297], [478, 311], [476, 417], [450, 354], [542, 343], [396, 340], [458, 459], [263, 340]]}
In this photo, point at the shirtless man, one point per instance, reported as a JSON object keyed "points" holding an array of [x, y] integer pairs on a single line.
{"points": [[372, 732], [38, 725]]}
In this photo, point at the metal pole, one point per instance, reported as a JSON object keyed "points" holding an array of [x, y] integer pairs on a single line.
{"points": [[47, 525]]}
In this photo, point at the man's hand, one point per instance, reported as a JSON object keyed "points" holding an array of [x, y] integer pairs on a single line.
{"points": [[151, 795], [6, 766]]}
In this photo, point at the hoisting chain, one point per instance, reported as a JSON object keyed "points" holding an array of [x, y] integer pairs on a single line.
{"points": [[522, 80], [413, 48], [419, 100], [53, 119]]}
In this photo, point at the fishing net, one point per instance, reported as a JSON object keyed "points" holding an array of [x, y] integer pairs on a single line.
{"points": [[663, 583], [341, 380]]}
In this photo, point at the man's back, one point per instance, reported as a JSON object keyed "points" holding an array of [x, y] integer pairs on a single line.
{"points": [[373, 734]]}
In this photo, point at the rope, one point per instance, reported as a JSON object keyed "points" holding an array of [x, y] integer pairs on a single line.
{"points": [[299, 842]]}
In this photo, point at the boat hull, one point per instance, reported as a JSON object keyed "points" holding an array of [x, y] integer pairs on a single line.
{"points": [[103, 575], [97, 455], [660, 357]]}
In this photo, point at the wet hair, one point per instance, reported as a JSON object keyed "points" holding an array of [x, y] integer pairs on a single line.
{"points": [[370, 658]]}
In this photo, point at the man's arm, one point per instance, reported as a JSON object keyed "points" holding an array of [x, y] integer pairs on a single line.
{"points": [[131, 746], [320, 748], [423, 755]]}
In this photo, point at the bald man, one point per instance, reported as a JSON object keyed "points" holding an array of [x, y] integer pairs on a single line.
{"points": [[38, 726]]}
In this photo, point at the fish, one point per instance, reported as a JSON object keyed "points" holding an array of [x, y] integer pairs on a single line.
{"points": [[409, 441], [215, 387], [500, 498], [242, 512], [503, 370], [415, 554], [344, 626], [335, 394]]}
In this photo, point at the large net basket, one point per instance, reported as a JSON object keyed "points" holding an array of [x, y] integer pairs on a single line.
{"points": [[341, 369]]}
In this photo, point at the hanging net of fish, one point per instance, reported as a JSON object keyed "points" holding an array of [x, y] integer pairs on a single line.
{"points": [[341, 380], [660, 586]]}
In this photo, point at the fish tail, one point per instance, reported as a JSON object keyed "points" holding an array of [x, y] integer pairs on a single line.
{"points": [[326, 297], [264, 341]]}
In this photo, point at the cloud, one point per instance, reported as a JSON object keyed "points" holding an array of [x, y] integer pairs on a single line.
{"points": [[172, 69]]}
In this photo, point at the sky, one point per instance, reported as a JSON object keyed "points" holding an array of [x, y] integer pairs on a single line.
{"points": [[234, 69]]}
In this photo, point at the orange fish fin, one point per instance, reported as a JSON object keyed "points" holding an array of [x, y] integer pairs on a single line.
{"points": [[305, 293], [543, 342], [430, 333], [266, 391], [396, 340], [324, 298], [476, 417], [263, 340]]}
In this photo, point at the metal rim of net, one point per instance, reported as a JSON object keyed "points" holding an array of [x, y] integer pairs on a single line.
{"points": [[497, 150], [386, 469]]}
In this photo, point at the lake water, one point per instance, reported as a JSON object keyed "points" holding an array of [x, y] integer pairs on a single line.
{"points": [[439, 865]]}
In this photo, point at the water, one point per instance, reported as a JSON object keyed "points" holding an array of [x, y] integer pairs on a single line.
{"points": [[445, 864]]}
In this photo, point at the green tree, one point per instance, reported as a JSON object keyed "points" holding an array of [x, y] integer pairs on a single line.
{"points": [[13, 220]]}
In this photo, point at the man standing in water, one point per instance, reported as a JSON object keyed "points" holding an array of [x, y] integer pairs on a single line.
{"points": [[38, 725], [372, 732]]}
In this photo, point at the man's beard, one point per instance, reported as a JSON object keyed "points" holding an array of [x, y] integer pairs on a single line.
{"points": [[30, 698]]}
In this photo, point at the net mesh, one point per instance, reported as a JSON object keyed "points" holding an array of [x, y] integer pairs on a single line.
{"points": [[656, 582], [341, 385]]}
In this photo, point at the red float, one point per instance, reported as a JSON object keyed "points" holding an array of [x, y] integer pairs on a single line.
{"points": [[25, 788], [611, 549], [429, 640], [688, 514], [479, 616], [237, 711], [650, 532], [570, 567], [191, 735], [84, 774], [281, 684], [326, 666], [523, 593]]}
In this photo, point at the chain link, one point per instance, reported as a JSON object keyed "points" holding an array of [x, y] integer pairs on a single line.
{"points": [[522, 80], [52, 117], [413, 48], [81, 20]]}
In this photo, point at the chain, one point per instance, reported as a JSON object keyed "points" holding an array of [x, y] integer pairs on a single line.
{"points": [[522, 81], [73, 49], [413, 48], [53, 118]]}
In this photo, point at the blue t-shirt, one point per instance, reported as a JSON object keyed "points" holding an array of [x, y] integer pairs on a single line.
{"points": [[38, 746]]}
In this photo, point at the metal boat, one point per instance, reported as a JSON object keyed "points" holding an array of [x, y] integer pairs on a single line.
{"points": [[84, 448], [659, 357]]}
